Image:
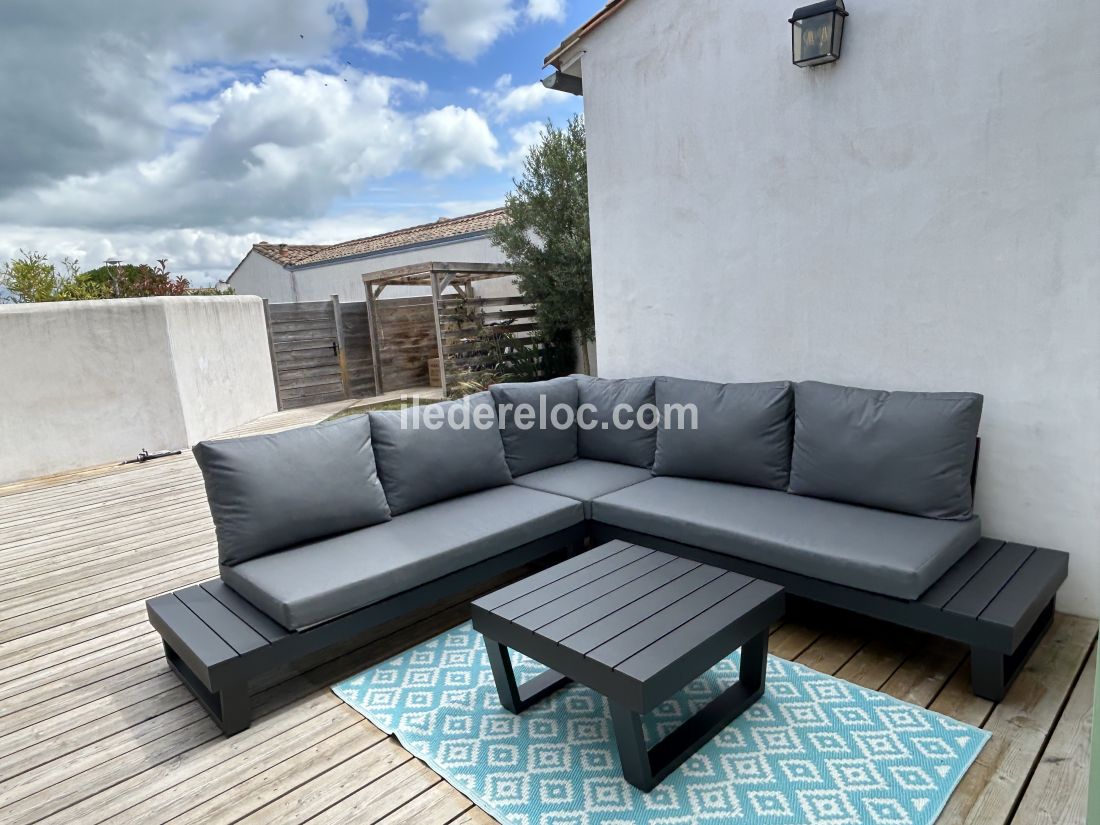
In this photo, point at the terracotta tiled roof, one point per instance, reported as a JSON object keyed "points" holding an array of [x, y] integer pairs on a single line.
{"points": [[283, 253], [444, 228]]}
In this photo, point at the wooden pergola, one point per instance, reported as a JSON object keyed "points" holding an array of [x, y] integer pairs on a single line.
{"points": [[440, 276]]}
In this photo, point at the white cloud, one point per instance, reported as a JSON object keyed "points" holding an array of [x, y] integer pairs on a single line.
{"points": [[92, 75], [394, 46], [466, 27], [452, 139], [506, 101], [283, 146], [202, 255], [523, 138], [189, 131], [538, 10]]}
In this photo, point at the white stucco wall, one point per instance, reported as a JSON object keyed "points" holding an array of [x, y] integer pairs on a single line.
{"points": [[257, 275], [261, 276], [923, 214], [92, 382], [222, 362]]}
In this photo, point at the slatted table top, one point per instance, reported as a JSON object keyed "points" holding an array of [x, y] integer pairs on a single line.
{"points": [[636, 624]]}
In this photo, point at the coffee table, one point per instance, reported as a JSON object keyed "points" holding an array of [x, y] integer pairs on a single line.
{"points": [[636, 625]]}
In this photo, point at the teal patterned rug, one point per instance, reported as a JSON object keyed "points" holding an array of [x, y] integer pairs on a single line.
{"points": [[815, 750]]}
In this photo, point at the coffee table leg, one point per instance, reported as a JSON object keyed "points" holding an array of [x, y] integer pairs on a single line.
{"points": [[513, 697], [645, 767]]}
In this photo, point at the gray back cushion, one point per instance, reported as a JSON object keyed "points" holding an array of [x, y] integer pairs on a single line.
{"points": [[534, 447], [602, 440], [906, 451], [420, 463], [269, 492], [742, 433]]}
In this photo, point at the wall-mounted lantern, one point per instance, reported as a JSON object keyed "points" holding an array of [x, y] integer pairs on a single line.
{"points": [[816, 32]]}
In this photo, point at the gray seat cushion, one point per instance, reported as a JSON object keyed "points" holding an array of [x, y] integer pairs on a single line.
{"points": [[584, 479], [319, 581], [438, 451], [742, 432], [888, 553], [268, 492], [532, 443], [912, 452], [598, 437]]}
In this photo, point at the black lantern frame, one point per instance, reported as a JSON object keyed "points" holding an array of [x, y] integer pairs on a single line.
{"points": [[816, 33]]}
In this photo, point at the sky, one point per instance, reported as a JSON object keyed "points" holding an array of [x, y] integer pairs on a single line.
{"points": [[191, 129]]}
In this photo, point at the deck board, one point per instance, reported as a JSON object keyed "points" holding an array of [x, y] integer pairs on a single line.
{"points": [[1058, 792], [94, 727]]}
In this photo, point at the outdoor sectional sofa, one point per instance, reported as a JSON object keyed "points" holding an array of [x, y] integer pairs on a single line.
{"points": [[855, 498]]}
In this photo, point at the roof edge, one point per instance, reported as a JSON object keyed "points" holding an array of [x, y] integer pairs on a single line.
{"points": [[415, 227], [586, 28], [377, 253]]}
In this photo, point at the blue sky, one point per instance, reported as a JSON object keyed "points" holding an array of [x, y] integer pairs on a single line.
{"points": [[396, 46], [190, 130]]}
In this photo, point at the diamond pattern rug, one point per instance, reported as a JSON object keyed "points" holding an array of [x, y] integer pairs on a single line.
{"points": [[815, 750]]}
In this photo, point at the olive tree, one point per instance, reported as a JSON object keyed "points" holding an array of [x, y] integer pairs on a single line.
{"points": [[545, 235]]}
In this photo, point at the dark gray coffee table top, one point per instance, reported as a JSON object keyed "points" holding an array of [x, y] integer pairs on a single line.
{"points": [[633, 623], [636, 625]]}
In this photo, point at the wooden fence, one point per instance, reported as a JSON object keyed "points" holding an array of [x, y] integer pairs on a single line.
{"points": [[322, 351], [463, 322], [406, 341]]}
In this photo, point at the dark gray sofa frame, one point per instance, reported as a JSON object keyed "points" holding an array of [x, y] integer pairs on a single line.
{"points": [[998, 599], [216, 641]]}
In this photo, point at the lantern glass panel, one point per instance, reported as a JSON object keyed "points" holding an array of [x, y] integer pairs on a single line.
{"points": [[838, 32], [813, 38]]}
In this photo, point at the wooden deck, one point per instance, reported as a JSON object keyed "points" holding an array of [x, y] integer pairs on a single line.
{"points": [[93, 726]]}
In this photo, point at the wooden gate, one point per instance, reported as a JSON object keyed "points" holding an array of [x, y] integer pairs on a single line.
{"points": [[320, 351]]}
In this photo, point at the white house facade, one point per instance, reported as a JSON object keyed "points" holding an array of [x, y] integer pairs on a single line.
{"points": [[921, 214], [285, 273]]}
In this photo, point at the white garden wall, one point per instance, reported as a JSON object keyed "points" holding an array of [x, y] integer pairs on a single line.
{"points": [[92, 382], [923, 214]]}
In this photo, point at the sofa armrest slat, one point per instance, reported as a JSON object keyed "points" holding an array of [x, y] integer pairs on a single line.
{"points": [[987, 582], [232, 629], [961, 573], [1025, 595], [258, 621]]}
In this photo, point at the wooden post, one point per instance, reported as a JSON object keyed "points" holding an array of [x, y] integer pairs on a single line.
{"points": [[341, 349], [372, 328], [439, 333], [271, 350]]}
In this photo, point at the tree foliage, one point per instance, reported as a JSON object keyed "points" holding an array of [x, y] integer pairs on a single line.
{"points": [[545, 236], [134, 280], [32, 278]]}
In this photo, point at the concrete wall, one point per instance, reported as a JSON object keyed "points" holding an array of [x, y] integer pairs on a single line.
{"points": [[93, 382], [261, 276], [222, 362], [923, 214]]}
